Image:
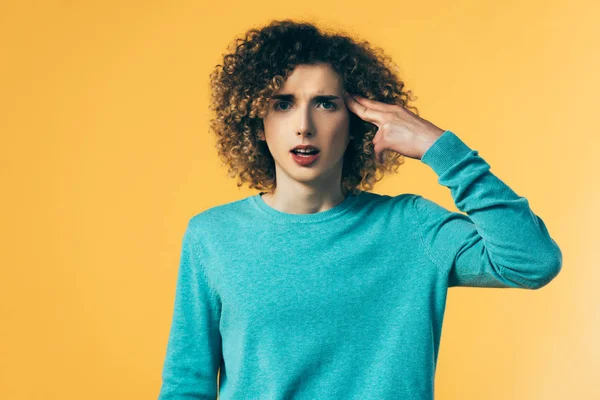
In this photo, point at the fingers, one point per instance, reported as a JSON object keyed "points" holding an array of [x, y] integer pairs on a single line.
{"points": [[374, 104], [365, 112], [372, 111]]}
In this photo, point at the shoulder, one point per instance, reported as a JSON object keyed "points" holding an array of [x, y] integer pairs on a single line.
{"points": [[412, 206], [402, 205], [222, 220], [402, 200]]}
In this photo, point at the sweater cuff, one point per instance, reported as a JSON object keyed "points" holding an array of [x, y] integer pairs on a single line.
{"points": [[445, 152]]}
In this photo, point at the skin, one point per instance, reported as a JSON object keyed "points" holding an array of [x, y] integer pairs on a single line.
{"points": [[305, 120], [399, 129]]}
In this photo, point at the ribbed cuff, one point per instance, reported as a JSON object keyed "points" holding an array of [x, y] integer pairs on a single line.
{"points": [[447, 150]]}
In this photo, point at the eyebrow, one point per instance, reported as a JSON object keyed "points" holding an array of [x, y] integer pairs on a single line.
{"points": [[287, 96]]}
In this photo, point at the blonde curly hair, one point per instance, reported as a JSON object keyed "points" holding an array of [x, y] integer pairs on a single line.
{"points": [[258, 66]]}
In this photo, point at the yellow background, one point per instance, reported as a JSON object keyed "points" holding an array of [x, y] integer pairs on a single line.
{"points": [[105, 155]]}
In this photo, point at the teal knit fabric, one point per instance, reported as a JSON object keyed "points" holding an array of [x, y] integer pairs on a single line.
{"points": [[347, 303]]}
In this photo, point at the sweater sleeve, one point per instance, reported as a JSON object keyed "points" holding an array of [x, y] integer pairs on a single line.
{"points": [[500, 242], [193, 351]]}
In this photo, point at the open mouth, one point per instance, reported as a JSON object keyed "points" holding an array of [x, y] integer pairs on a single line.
{"points": [[304, 159], [305, 153]]}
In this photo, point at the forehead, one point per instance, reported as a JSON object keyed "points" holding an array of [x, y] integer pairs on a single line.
{"points": [[312, 79]]}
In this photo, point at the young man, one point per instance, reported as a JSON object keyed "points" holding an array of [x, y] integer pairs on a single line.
{"points": [[314, 288]]}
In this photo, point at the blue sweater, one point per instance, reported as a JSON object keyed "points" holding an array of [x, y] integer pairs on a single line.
{"points": [[347, 303]]}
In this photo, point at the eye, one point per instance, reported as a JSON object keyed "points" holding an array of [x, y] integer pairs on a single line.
{"points": [[333, 105], [278, 103]]}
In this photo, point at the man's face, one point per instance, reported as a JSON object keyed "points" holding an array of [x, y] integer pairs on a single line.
{"points": [[297, 115]]}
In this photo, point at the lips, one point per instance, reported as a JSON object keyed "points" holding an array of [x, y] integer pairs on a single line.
{"points": [[304, 160], [305, 147]]}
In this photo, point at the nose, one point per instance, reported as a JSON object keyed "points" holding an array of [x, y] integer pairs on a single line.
{"points": [[305, 123]]}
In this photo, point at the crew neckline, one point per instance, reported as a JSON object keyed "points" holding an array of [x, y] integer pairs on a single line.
{"points": [[282, 217]]}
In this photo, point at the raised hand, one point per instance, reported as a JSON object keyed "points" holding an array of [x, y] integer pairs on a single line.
{"points": [[400, 130]]}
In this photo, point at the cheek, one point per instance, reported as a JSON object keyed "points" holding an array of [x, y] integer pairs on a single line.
{"points": [[272, 128], [342, 130]]}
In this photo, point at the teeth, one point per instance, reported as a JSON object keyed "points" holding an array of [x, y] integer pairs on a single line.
{"points": [[305, 151]]}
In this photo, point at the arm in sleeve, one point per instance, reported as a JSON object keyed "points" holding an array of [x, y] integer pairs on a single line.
{"points": [[501, 242], [193, 351]]}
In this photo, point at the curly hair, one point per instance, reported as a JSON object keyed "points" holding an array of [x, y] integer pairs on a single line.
{"points": [[259, 64]]}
